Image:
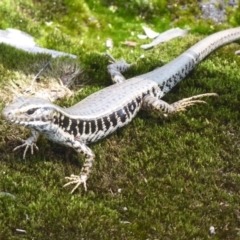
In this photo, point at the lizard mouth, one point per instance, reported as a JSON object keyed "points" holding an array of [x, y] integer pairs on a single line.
{"points": [[14, 120], [18, 122], [10, 116]]}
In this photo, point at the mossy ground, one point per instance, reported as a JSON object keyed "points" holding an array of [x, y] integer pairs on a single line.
{"points": [[158, 178]]}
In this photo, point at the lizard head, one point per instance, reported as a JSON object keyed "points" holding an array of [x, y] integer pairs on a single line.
{"points": [[30, 112]]}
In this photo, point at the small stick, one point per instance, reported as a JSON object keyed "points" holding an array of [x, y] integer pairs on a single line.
{"points": [[38, 74]]}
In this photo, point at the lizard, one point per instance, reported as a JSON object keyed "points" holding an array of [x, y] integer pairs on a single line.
{"points": [[111, 108]]}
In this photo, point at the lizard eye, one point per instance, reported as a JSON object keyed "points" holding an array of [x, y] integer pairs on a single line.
{"points": [[31, 111]]}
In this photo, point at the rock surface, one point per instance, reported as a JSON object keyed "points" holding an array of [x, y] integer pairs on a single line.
{"points": [[24, 41]]}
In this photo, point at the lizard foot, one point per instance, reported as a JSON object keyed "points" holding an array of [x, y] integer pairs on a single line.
{"points": [[27, 144], [186, 102], [78, 180]]}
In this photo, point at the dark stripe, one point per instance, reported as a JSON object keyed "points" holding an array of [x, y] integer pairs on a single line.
{"points": [[93, 126], [55, 120], [80, 127], [154, 92], [87, 127], [73, 128], [121, 115], [162, 85], [113, 119], [138, 100], [99, 124], [65, 122], [126, 111], [132, 107], [106, 122]]}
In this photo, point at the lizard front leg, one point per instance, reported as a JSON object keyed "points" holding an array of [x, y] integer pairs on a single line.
{"points": [[116, 68], [28, 143], [86, 169]]}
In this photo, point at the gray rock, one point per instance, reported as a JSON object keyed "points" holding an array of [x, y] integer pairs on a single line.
{"points": [[24, 41], [214, 10]]}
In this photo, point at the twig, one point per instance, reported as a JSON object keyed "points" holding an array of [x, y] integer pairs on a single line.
{"points": [[38, 74]]}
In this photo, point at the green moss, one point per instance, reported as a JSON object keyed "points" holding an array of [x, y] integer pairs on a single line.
{"points": [[235, 17], [158, 178]]}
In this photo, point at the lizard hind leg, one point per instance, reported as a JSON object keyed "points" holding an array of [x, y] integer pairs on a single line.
{"points": [[182, 104], [150, 102]]}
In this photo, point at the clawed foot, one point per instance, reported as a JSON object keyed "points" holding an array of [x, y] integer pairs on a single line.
{"points": [[78, 180], [27, 144], [186, 102]]}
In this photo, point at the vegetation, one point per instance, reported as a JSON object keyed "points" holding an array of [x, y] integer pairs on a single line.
{"points": [[158, 178]]}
